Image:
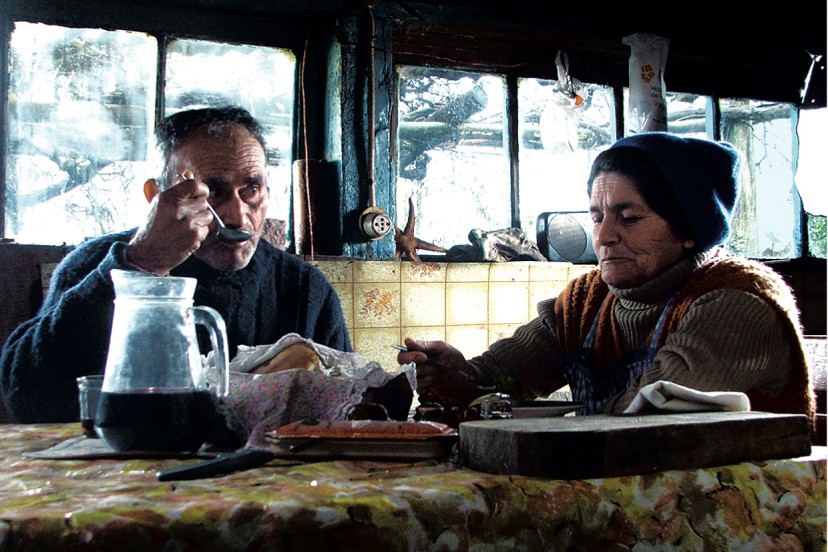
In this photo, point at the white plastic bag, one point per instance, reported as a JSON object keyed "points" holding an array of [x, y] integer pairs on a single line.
{"points": [[647, 110], [559, 119]]}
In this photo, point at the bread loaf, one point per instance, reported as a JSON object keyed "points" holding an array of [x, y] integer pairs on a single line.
{"points": [[298, 355]]}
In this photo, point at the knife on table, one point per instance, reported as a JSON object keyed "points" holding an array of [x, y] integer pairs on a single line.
{"points": [[239, 460]]}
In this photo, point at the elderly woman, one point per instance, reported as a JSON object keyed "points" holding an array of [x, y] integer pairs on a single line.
{"points": [[664, 304]]}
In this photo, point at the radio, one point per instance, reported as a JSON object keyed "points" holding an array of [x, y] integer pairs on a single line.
{"points": [[566, 236]]}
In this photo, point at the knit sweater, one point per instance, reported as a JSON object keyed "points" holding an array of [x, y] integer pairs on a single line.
{"points": [[275, 294], [734, 326]]}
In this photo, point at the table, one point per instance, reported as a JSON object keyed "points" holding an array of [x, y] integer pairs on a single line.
{"points": [[118, 504]]}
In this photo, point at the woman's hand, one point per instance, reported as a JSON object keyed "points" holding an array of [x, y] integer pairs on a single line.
{"points": [[443, 375]]}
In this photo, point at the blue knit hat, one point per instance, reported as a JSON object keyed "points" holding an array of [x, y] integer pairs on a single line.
{"points": [[703, 175]]}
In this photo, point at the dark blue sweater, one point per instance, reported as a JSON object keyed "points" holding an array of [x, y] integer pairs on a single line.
{"points": [[275, 294]]}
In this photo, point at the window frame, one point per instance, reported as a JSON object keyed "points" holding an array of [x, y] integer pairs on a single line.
{"points": [[289, 33], [512, 77], [315, 33]]}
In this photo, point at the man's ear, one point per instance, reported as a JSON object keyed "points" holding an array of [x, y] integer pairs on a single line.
{"points": [[150, 189]]}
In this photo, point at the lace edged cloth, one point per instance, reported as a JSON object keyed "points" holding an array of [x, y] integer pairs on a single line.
{"points": [[258, 403]]}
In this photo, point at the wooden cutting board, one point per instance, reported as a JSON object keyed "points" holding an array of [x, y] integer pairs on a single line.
{"points": [[582, 447]]}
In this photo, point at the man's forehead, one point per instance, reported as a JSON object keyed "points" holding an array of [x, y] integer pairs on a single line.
{"points": [[221, 169], [224, 134], [232, 153]]}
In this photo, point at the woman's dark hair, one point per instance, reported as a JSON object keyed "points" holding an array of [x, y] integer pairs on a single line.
{"points": [[217, 121], [648, 179]]}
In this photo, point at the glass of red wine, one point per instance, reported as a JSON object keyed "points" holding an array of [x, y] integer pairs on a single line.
{"points": [[89, 392]]}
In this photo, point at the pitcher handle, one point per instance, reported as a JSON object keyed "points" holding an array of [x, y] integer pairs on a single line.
{"points": [[213, 321]]}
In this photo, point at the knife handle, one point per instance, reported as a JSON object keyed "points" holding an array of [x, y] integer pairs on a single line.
{"points": [[242, 459]]}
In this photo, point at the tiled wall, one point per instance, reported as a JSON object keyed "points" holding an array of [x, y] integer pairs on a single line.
{"points": [[469, 305]]}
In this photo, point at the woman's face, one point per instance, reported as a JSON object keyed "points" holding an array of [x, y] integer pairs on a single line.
{"points": [[632, 242]]}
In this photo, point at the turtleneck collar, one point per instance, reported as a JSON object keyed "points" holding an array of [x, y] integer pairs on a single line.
{"points": [[663, 286]]}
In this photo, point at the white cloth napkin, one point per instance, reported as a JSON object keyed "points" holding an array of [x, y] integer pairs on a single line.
{"points": [[665, 395]]}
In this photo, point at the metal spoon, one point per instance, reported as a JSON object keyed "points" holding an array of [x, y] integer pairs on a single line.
{"points": [[229, 235]]}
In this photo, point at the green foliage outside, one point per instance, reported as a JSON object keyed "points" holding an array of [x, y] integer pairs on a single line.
{"points": [[816, 236]]}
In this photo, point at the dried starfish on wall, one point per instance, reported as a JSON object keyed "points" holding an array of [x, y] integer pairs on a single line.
{"points": [[409, 244]]}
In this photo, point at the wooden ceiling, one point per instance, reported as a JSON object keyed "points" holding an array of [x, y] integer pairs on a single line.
{"points": [[725, 48], [721, 48]]}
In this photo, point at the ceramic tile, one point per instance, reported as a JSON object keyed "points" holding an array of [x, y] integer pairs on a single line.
{"points": [[545, 290], [423, 304], [578, 269], [377, 271], [508, 302], [470, 340], [499, 331], [345, 292], [422, 272], [467, 272], [539, 291], [375, 345], [386, 301], [376, 305], [424, 333], [467, 303], [545, 272], [509, 272], [336, 271]]}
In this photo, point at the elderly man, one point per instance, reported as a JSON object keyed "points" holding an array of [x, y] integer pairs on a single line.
{"points": [[212, 157]]}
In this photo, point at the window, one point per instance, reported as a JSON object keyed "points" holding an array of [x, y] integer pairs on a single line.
{"points": [[767, 218], [81, 105], [452, 146], [559, 139], [201, 73], [810, 175], [82, 117], [454, 157]]}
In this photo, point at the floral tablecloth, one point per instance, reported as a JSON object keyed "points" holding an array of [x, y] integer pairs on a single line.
{"points": [[118, 504]]}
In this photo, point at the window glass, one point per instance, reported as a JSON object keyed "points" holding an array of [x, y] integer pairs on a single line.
{"points": [[81, 104], [812, 132], [260, 79], [452, 157], [559, 138], [811, 184], [690, 115], [766, 221], [816, 235]]}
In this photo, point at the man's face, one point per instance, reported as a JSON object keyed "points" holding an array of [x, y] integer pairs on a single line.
{"points": [[234, 168], [633, 243]]}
